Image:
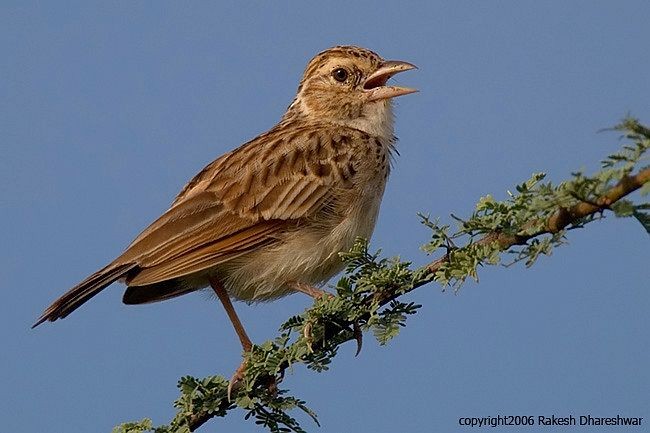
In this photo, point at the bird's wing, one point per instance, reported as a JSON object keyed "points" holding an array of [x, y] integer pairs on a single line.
{"points": [[244, 200]]}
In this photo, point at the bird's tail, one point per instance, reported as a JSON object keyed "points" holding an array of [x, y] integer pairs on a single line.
{"points": [[83, 291]]}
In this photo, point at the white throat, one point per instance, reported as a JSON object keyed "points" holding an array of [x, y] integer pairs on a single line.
{"points": [[377, 119]]}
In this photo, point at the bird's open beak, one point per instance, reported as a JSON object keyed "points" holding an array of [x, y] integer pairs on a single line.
{"points": [[376, 86]]}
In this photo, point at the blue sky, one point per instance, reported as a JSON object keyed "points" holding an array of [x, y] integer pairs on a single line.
{"points": [[107, 109]]}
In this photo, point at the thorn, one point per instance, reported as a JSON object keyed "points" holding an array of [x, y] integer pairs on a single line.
{"points": [[358, 335]]}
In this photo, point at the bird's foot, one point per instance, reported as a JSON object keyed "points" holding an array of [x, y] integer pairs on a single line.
{"points": [[306, 332], [317, 293], [269, 382], [235, 380]]}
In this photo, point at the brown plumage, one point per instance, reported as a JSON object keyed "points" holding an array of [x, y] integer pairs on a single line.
{"points": [[276, 211]]}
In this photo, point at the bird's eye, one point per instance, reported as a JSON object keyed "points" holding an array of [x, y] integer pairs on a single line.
{"points": [[340, 74]]}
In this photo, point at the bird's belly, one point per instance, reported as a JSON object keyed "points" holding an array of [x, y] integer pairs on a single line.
{"points": [[308, 255]]}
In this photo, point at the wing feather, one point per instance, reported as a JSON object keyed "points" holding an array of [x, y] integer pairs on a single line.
{"points": [[242, 201], [207, 256]]}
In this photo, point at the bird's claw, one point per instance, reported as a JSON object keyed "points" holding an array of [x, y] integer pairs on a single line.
{"points": [[306, 331], [236, 379]]}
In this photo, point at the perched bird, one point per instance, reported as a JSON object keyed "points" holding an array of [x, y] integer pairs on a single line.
{"points": [[270, 217]]}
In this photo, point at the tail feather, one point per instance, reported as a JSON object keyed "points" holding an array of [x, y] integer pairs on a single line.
{"points": [[155, 292], [83, 291]]}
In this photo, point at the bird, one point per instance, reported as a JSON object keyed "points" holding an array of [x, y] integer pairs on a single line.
{"points": [[269, 218]]}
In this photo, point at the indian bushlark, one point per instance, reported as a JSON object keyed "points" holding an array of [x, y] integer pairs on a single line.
{"points": [[270, 217]]}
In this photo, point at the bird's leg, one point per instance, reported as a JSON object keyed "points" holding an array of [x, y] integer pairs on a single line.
{"points": [[218, 288], [310, 290], [246, 343], [317, 293]]}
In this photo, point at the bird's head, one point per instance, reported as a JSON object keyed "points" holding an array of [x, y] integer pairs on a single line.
{"points": [[347, 85]]}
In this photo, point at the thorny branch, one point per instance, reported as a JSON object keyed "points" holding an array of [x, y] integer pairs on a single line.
{"points": [[325, 326]]}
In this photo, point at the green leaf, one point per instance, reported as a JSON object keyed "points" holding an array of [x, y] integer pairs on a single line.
{"points": [[623, 208], [644, 219]]}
